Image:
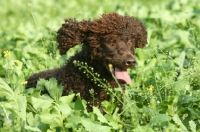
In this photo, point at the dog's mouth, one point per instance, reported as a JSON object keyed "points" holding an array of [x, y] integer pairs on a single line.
{"points": [[121, 75]]}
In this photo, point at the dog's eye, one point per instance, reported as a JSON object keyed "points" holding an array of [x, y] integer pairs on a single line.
{"points": [[129, 44]]}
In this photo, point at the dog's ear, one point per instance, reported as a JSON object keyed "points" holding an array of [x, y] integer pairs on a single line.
{"points": [[71, 33], [140, 34]]}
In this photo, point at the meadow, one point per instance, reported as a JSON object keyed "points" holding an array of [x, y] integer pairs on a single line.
{"points": [[164, 95]]}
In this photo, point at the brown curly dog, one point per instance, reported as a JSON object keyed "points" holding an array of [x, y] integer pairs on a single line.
{"points": [[110, 39]]}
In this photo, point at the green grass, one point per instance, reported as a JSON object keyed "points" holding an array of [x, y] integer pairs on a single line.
{"points": [[165, 90]]}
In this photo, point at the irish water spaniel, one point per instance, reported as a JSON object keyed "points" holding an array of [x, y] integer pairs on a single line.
{"points": [[110, 39]]}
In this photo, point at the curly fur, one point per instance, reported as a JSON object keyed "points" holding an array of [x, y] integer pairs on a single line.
{"points": [[110, 39]]}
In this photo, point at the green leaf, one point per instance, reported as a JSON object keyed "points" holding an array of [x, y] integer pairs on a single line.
{"points": [[32, 129], [192, 126], [65, 110], [185, 99], [180, 60], [22, 107], [107, 106], [159, 119], [55, 90], [80, 104], [15, 103], [143, 129], [92, 127], [181, 84], [6, 91], [73, 121], [41, 104], [66, 99], [53, 120], [177, 120], [100, 117], [113, 120], [31, 120]]}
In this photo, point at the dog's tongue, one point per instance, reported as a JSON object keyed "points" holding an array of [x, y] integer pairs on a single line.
{"points": [[122, 75]]}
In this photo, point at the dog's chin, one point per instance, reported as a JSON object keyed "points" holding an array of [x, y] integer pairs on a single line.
{"points": [[121, 74]]}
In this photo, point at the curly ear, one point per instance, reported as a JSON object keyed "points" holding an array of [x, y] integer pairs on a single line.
{"points": [[140, 34], [71, 33]]}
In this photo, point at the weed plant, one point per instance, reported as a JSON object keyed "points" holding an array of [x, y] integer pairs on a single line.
{"points": [[165, 92]]}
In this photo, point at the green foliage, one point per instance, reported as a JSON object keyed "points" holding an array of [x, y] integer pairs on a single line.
{"points": [[12, 108], [115, 94], [165, 90], [90, 73]]}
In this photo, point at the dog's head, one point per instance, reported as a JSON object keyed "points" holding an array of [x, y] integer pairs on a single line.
{"points": [[116, 38], [110, 39], [119, 52]]}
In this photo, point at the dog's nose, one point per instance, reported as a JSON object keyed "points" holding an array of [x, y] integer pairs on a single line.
{"points": [[130, 62]]}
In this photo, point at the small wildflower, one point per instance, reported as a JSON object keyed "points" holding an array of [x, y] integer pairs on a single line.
{"points": [[110, 66], [143, 115], [150, 88], [7, 54], [24, 82], [18, 62], [91, 91]]}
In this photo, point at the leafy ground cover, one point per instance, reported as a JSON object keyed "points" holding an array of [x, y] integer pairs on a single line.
{"points": [[165, 90]]}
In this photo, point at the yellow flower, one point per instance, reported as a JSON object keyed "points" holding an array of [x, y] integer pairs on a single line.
{"points": [[18, 62], [110, 66], [7, 54], [24, 83], [150, 88]]}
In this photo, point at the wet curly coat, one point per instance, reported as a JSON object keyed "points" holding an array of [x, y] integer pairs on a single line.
{"points": [[110, 39]]}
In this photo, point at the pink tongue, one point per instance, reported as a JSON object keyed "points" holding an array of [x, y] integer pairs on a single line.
{"points": [[122, 75]]}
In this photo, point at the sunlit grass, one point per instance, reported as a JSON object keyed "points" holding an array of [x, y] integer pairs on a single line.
{"points": [[165, 90]]}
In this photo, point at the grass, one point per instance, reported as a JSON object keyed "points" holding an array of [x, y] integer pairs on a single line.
{"points": [[165, 90]]}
